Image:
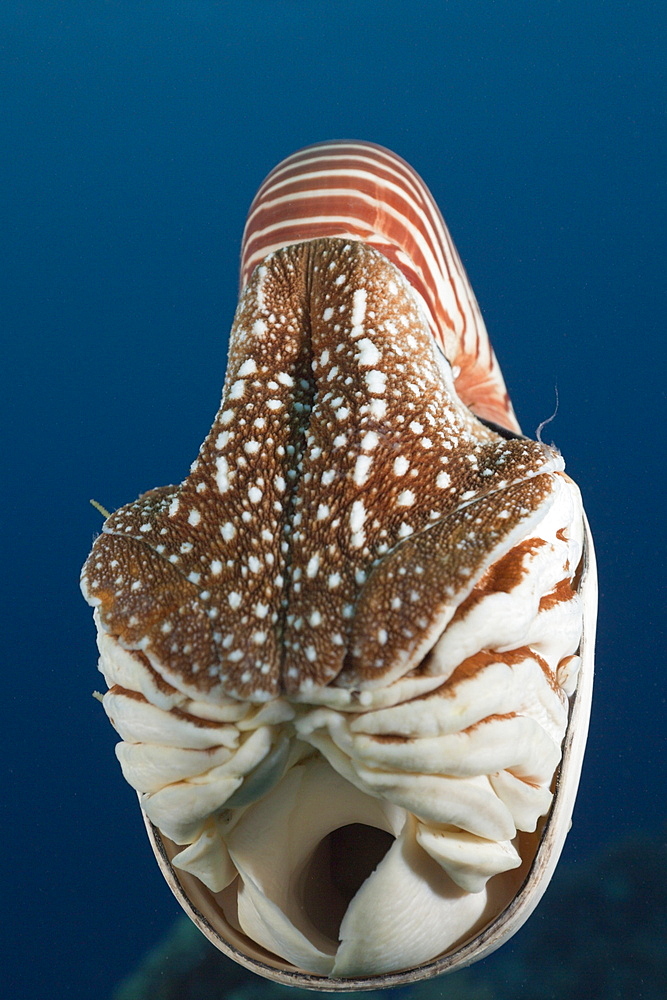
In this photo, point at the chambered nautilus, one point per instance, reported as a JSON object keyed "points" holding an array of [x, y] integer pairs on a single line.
{"points": [[350, 656]]}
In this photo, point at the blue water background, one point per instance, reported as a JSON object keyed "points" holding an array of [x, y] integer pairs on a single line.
{"points": [[133, 136]]}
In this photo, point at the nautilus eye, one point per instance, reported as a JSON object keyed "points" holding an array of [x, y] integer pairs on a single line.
{"points": [[350, 656]]}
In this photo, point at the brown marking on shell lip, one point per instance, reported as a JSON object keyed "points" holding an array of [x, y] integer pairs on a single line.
{"points": [[388, 738], [484, 658], [490, 718], [562, 592], [472, 665], [128, 693], [504, 575], [156, 677], [196, 720]]}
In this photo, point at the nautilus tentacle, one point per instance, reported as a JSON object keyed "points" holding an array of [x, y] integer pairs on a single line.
{"points": [[350, 655]]}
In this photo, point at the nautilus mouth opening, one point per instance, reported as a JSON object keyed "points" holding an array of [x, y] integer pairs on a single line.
{"points": [[336, 870]]}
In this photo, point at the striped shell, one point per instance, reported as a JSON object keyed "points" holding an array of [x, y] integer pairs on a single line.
{"points": [[359, 191], [350, 656]]}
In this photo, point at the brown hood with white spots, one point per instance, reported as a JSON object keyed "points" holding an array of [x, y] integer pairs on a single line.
{"points": [[341, 507]]}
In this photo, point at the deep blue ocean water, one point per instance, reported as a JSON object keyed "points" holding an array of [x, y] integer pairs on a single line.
{"points": [[133, 137]]}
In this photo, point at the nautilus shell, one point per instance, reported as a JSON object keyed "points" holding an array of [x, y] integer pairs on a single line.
{"points": [[350, 656]]}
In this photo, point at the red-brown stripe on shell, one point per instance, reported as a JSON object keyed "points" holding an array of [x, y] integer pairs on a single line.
{"points": [[362, 606], [361, 191]]}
